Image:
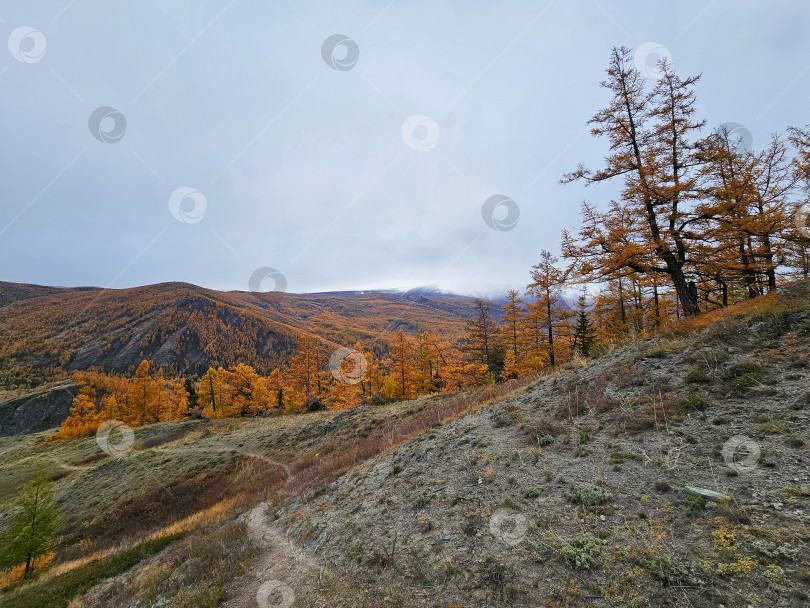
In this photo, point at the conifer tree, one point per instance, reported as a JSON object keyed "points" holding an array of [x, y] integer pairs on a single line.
{"points": [[584, 332], [548, 310], [653, 151], [31, 532], [513, 315]]}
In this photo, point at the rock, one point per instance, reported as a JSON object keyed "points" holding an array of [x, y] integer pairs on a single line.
{"points": [[314, 405], [708, 494], [38, 410], [445, 539]]}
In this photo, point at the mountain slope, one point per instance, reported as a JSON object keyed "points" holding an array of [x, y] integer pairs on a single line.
{"points": [[188, 328]]}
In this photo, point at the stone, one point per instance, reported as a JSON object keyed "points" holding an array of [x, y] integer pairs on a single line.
{"points": [[707, 494]]}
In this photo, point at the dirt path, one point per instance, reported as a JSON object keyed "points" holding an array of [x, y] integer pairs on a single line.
{"points": [[280, 572]]}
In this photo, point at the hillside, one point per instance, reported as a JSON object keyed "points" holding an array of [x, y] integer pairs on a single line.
{"points": [[186, 329], [581, 488]]}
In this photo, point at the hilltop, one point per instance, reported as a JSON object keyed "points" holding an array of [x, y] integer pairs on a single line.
{"points": [[586, 487]]}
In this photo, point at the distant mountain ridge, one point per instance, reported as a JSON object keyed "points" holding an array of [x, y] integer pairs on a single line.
{"points": [[187, 328]]}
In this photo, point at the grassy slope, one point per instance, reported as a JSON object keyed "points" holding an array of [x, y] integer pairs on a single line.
{"points": [[344, 526]]}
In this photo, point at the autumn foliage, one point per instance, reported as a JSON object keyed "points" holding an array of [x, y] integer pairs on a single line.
{"points": [[414, 366]]}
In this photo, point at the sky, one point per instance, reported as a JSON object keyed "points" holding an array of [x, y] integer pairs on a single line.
{"points": [[316, 146]]}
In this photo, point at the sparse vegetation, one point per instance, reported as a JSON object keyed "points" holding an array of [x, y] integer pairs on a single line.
{"points": [[588, 495], [580, 551]]}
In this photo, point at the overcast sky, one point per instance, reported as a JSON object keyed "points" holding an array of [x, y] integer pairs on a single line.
{"points": [[236, 137]]}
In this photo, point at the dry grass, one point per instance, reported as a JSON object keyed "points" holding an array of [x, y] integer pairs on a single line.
{"points": [[313, 472], [15, 575]]}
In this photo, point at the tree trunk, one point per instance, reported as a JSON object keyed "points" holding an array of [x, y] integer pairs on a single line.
{"points": [[550, 333], [687, 293], [27, 570]]}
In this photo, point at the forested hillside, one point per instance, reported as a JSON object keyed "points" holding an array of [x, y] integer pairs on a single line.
{"points": [[185, 329]]}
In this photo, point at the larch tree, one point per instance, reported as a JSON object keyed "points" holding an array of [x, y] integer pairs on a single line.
{"points": [[210, 392], [548, 310], [403, 367], [304, 369], [83, 417], [482, 340], [275, 391], [652, 151], [512, 318], [746, 216], [142, 395], [242, 382], [192, 397], [799, 242]]}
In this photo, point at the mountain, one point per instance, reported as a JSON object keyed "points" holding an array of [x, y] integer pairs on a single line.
{"points": [[187, 328], [668, 472]]}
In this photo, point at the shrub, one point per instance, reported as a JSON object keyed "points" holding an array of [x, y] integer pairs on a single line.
{"points": [[743, 375], [588, 495], [396, 469], [619, 457], [773, 550], [670, 571], [693, 401], [580, 551], [775, 574], [534, 492], [694, 502], [424, 500], [546, 440], [698, 376], [744, 565]]}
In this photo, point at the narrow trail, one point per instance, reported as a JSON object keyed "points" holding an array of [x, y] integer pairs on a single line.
{"points": [[190, 448], [278, 565]]}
